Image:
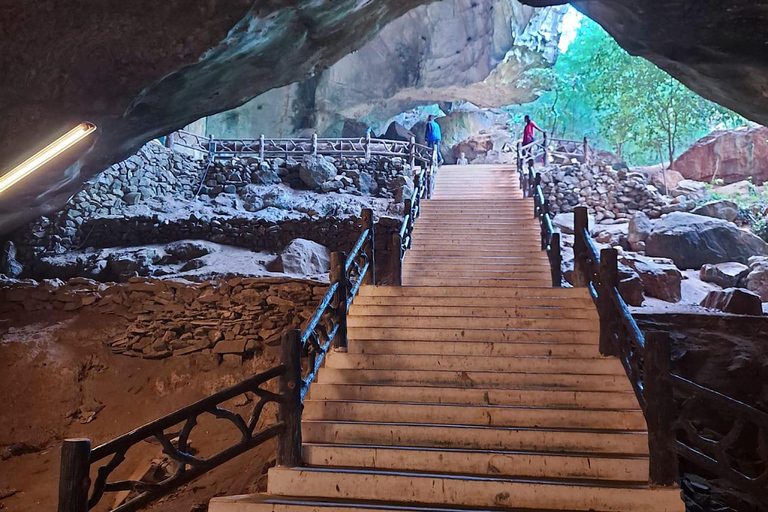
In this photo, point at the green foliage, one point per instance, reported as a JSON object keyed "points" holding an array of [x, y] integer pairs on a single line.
{"points": [[621, 102], [760, 228]]}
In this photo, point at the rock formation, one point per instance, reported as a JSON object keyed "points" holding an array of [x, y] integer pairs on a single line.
{"points": [[142, 69], [693, 240], [473, 50], [728, 155]]}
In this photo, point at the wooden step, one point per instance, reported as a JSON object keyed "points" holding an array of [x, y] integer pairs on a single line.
{"points": [[271, 503], [477, 437], [543, 304], [477, 462], [488, 396], [436, 271], [531, 364], [466, 334], [460, 291], [431, 310], [486, 491], [474, 322], [465, 379], [477, 348], [442, 414]]}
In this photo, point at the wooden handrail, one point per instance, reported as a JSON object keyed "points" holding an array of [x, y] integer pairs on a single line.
{"points": [[668, 400], [326, 328]]}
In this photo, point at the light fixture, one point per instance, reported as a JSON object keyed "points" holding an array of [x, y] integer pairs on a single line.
{"points": [[45, 155]]}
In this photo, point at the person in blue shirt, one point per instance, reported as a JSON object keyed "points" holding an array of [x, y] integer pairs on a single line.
{"points": [[433, 136]]}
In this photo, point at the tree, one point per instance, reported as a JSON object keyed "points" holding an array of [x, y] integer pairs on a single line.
{"points": [[626, 103]]}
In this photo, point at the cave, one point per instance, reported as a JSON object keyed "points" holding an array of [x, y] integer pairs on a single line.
{"points": [[232, 222]]}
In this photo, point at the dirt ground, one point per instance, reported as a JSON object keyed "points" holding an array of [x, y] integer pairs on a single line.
{"points": [[58, 381]]}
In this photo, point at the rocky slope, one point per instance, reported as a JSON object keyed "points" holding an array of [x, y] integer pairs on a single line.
{"points": [[474, 50]]}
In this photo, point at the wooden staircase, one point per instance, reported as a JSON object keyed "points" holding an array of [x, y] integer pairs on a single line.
{"points": [[475, 386]]}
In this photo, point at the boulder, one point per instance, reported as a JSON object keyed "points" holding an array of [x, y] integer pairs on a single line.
{"points": [[186, 250], [640, 228], [402, 188], [688, 188], [729, 155], [726, 275], [721, 209], [757, 280], [396, 131], [630, 286], [734, 300], [316, 170], [694, 240], [564, 222], [740, 188], [302, 257], [660, 277], [8, 264], [265, 176], [665, 180]]}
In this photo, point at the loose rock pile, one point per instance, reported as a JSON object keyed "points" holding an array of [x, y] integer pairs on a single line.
{"points": [[611, 195], [233, 318]]}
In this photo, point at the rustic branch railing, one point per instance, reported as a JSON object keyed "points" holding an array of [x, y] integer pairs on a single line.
{"points": [[302, 353], [672, 404], [530, 183], [265, 147]]}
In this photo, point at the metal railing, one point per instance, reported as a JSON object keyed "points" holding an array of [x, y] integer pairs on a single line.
{"points": [[669, 401], [302, 354]]}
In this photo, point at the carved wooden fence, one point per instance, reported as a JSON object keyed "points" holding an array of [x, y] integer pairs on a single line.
{"points": [[669, 401], [302, 353]]}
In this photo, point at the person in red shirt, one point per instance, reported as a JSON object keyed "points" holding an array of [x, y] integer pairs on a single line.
{"points": [[528, 131]]}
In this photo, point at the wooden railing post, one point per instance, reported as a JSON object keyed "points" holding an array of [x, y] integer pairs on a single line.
{"points": [[586, 151], [609, 279], [412, 153], [370, 248], [660, 409], [290, 408], [338, 275], [262, 140], [169, 140], [546, 148], [537, 206], [314, 144], [556, 260], [368, 145], [396, 262], [74, 479], [580, 223]]}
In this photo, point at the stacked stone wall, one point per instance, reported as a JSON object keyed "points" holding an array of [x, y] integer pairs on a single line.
{"points": [[609, 194]]}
